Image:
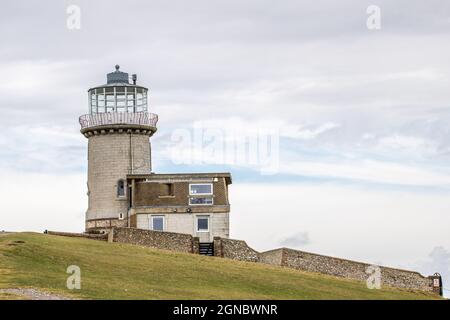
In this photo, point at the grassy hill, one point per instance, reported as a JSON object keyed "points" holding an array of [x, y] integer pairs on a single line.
{"points": [[121, 271]]}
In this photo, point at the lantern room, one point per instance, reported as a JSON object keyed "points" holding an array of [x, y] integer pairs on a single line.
{"points": [[118, 95]]}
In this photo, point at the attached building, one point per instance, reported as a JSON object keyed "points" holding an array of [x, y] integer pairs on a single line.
{"points": [[194, 203]]}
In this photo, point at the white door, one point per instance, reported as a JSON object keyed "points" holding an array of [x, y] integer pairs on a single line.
{"points": [[203, 228]]}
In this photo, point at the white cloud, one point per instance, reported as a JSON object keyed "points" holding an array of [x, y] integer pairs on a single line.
{"points": [[36, 202], [39, 148], [360, 223], [397, 141], [300, 132], [371, 171], [438, 261], [296, 240]]}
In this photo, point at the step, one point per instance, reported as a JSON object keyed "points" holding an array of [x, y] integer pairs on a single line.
{"points": [[206, 248]]}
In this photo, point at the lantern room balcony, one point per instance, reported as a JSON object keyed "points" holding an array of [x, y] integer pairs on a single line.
{"points": [[118, 120]]}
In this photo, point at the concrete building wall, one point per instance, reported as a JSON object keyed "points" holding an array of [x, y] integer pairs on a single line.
{"points": [[111, 156], [182, 223], [221, 225], [186, 223]]}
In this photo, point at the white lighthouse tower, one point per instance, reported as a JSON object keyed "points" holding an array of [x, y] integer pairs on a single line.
{"points": [[118, 128]]}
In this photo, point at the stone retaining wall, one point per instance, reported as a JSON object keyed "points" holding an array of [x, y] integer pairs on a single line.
{"points": [[344, 268], [156, 239], [93, 236], [234, 249], [272, 257]]}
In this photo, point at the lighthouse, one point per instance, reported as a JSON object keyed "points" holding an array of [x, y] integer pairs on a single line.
{"points": [[118, 128], [123, 190]]}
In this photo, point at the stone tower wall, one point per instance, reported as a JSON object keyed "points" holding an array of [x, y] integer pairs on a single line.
{"points": [[111, 156]]}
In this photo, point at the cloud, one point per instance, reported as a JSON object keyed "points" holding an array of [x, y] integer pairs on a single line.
{"points": [[438, 261], [408, 143], [300, 132], [235, 141], [296, 240], [373, 225], [36, 202], [371, 171], [46, 149]]}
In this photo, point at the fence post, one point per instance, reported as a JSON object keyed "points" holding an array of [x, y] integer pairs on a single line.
{"points": [[436, 283], [196, 245], [218, 250], [111, 235]]}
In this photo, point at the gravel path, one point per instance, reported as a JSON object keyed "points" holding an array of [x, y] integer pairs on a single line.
{"points": [[33, 294]]}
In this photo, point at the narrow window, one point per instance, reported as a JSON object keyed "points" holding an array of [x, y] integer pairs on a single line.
{"points": [[120, 188], [203, 224], [166, 189], [157, 223]]}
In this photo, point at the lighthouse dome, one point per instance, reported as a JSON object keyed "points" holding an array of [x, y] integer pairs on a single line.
{"points": [[117, 76]]}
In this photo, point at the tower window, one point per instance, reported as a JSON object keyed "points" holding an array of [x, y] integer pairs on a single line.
{"points": [[120, 188]]}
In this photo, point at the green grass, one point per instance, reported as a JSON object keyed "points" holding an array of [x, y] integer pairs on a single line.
{"points": [[121, 271]]}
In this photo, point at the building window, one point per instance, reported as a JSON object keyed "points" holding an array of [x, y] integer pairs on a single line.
{"points": [[203, 224], [201, 194], [200, 200], [201, 189], [166, 190], [121, 216], [157, 223], [120, 188]]}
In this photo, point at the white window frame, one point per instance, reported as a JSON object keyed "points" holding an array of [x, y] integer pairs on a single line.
{"points": [[201, 194], [202, 217], [158, 216]]}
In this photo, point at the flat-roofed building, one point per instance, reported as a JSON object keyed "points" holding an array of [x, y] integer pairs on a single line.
{"points": [[192, 203]]}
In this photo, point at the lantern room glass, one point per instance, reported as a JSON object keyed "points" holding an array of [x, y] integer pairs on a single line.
{"points": [[118, 99]]}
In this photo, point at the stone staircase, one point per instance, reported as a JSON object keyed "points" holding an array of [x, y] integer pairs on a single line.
{"points": [[206, 248]]}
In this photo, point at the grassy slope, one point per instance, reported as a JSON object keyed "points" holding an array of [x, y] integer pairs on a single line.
{"points": [[120, 271]]}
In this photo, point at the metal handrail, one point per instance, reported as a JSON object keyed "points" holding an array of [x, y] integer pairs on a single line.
{"points": [[99, 119]]}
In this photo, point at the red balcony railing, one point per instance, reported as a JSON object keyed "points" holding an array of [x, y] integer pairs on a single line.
{"points": [[137, 118]]}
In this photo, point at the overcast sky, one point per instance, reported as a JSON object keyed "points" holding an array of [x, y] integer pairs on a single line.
{"points": [[361, 116]]}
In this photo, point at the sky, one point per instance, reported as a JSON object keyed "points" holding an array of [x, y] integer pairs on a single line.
{"points": [[356, 118]]}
